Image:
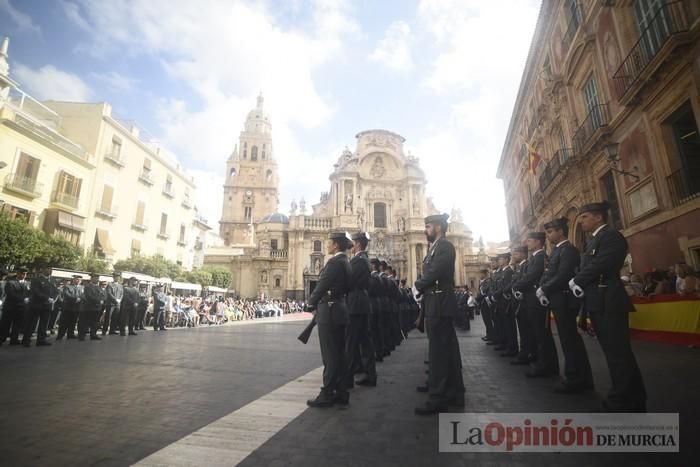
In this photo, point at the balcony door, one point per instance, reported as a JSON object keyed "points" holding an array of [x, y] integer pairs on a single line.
{"points": [[686, 179], [590, 95], [653, 25]]}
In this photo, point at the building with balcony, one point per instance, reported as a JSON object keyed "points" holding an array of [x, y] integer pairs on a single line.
{"points": [[76, 170], [377, 189], [609, 100], [141, 201], [48, 178]]}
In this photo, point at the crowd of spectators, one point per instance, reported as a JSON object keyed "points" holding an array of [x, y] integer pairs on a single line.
{"points": [[193, 311], [679, 279]]}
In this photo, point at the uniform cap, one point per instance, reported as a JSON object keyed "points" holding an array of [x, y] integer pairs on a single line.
{"points": [[559, 223], [520, 249], [437, 219], [361, 235], [537, 236], [602, 206]]}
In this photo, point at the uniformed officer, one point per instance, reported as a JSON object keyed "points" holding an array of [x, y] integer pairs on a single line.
{"points": [[510, 327], [359, 349], [394, 299], [547, 362], [527, 350], [72, 301], [129, 308], [16, 301], [387, 310], [159, 309], [493, 277], [500, 295], [436, 285], [142, 308], [93, 303], [58, 304], [495, 283], [42, 294], [555, 294], [115, 294], [483, 305], [329, 301], [598, 283], [376, 291]]}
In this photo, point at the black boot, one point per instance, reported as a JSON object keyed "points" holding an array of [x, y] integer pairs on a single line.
{"points": [[323, 400]]}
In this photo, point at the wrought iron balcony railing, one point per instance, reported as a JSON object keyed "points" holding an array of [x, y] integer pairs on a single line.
{"points": [[109, 212], [24, 185], [670, 19], [598, 117], [683, 187], [66, 199], [115, 159]]}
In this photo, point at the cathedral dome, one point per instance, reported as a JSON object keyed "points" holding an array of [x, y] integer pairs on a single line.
{"points": [[275, 218]]}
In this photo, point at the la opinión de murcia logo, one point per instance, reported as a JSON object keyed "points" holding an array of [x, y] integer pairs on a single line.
{"points": [[559, 432]]}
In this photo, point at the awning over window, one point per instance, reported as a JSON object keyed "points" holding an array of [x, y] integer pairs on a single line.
{"points": [[56, 219], [102, 241]]}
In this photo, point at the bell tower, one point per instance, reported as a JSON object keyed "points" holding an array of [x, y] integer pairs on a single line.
{"points": [[251, 187]]}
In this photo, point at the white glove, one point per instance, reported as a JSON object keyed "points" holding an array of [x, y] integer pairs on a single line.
{"points": [[544, 301], [577, 291], [77, 300], [493, 299], [102, 302], [50, 300], [0, 302], [539, 293], [518, 294], [416, 294], [488, 301], [26, 300]]}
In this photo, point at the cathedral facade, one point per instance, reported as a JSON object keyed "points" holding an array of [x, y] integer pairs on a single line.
{"points": [[377, 188]]}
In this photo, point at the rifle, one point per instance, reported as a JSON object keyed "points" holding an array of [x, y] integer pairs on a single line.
{"points": [[306, 333]]}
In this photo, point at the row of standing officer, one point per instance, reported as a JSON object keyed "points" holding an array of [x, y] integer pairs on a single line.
{"points": [[517, 298], [359, 309], [30, 305]]}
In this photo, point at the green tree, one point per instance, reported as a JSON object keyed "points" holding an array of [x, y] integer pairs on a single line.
{"points": [[156, 266], [20, 243], [220, 276], [92, 263], [199, 276], [58, 252]]}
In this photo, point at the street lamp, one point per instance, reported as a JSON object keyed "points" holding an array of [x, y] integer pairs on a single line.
{"points": [[611, 150]]}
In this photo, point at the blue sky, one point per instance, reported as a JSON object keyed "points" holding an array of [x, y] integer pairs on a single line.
{"points": [[442, 73]]}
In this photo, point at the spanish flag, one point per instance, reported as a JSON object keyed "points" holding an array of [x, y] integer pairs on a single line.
{"points": [[533, 158]]}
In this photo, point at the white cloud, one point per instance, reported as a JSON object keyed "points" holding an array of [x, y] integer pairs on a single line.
{"points": [[48, 82], [394, 49], [227, 52], [22, 21], [115, 81], [482, 48]]}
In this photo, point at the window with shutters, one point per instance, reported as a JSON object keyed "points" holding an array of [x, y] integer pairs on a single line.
{"points": [[139, 223], [254, 153], [273, 244], [248, 213], [317, 245], [106, 207], [25, 176], [163, 225], [68, 190], [181, 239], [263, 152], [146, 175], [135, 247], [245, 150]]}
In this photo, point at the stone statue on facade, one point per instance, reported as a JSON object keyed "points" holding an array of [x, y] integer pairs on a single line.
{"points": [[360, 218], [302, 206], [348, 203], [293, 211]]}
